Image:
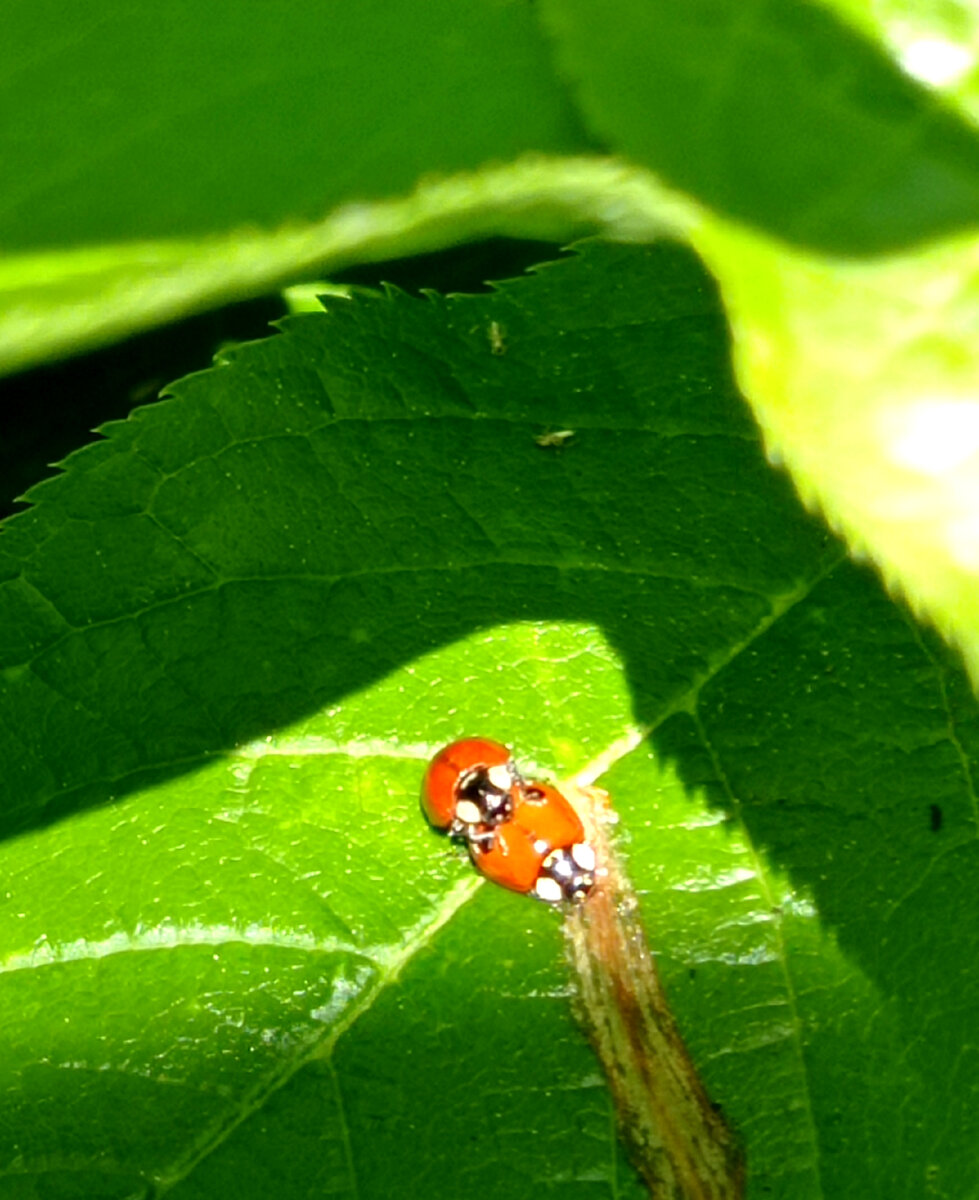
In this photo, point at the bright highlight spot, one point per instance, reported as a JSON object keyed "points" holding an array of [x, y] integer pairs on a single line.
{"points": [[935, 61], [935, 436], [937, 439]]}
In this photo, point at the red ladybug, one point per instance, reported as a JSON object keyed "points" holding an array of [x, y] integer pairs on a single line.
{"points": [[541, 849], [470, 787]]}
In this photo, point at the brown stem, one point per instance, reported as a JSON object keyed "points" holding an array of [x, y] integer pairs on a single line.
{"points": [[679, 1141]]}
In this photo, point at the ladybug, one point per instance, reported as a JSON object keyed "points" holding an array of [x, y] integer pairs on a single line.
{"points": [[541, 849], [470, 787]]}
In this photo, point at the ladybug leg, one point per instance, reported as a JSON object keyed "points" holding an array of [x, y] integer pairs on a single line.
{"points": [[481, 837]]}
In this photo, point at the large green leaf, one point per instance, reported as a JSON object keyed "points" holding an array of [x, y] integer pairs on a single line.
{"points": [[235, 958], [161, 158], [863, 372]]}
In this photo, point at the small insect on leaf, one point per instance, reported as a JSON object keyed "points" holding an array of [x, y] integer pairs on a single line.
{"points": [[497, 338], [554, 439]]}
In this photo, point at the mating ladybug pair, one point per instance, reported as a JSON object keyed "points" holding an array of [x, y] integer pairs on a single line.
{"points": [[524, 836]]}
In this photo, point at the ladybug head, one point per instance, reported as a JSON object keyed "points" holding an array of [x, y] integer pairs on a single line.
{"points": [[567, 874], [484, 795]]}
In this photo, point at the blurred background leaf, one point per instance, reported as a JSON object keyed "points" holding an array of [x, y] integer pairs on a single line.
{"points": [[782, 116], [180, 121], [162, 159]]}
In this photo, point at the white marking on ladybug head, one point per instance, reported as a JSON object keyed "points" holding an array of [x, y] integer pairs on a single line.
{"points": [[549, 890], [559, 863], [468, 812], [541, 846], [500, 777], [584, 856]]}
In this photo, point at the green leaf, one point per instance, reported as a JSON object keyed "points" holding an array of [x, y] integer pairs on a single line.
{"points": [[236, 628], [863, 372], [864, 377], [218, 154], [931, 42], [63, 301], [780, 115], [206, 118]]}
